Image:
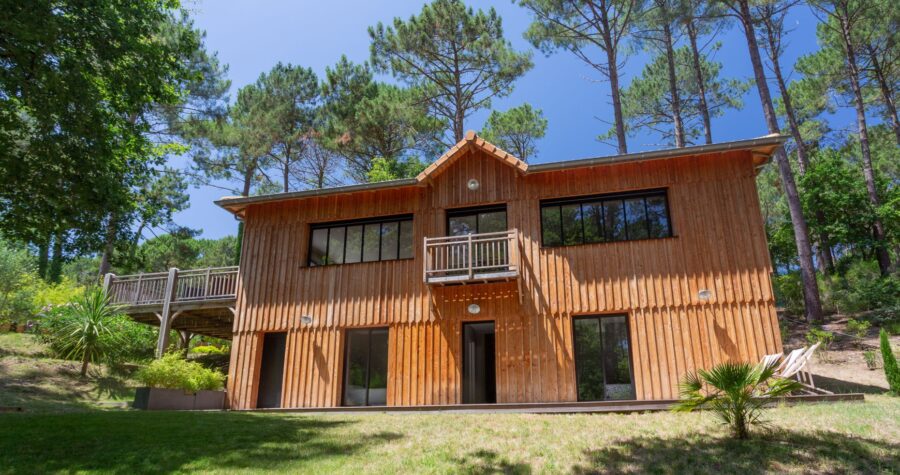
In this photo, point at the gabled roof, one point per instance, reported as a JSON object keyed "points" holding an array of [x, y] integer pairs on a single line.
{"points": [[761, 148], [470, 141]]}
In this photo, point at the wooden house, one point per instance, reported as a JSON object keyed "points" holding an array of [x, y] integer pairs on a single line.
{"points": [[486, 279]]}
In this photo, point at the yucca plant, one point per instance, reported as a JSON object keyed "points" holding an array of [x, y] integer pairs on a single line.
{"points": [[88, 332], [735, 392]]}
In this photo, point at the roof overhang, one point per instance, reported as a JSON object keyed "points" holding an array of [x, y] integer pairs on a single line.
{"points": [[761, 149]]}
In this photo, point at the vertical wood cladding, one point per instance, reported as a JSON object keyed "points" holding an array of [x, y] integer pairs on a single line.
{"points": [[718, 244]]}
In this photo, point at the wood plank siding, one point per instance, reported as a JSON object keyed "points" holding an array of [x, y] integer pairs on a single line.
{"points": [[718, 244]]}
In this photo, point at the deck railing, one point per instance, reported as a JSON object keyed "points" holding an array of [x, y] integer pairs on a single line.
{"points": [[212, 283], [472, 257]]}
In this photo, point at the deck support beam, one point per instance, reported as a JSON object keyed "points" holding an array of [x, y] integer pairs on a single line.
{"points": [[165, 320]]}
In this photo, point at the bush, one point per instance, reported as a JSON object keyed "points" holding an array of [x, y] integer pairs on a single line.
{"points": [[789, 292], [891, 370], [861, 288], [871, 359], [887, 318], [209, 350], [859, 328], [174, 372], [823, 337], [18, 281]]}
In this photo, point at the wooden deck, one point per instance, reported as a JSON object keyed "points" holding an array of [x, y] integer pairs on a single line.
{"points": [[195, 301], [551, 407]]}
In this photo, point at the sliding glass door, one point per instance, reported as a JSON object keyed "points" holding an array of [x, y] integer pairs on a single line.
{"points": [[365, 367], [602, 358]]}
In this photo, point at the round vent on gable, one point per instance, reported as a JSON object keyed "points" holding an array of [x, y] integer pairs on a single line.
{"points": [[473, 184]]}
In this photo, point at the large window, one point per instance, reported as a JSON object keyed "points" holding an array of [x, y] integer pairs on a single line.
{"points": [[365, 367], [602, 358], [490, 219], [382, 239], [605, 218]]}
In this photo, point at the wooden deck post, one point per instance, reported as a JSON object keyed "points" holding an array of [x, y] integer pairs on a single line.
{"points": [[107, 279], [165, 319]]}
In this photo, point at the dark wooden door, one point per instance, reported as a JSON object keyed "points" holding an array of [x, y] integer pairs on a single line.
{"points": [[271, 370], [479, 374]]}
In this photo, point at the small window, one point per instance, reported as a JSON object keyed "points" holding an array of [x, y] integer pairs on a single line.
{"points": [[361, 241], [619, 217]]}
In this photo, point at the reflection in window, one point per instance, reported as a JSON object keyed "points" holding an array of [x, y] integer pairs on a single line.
{"points": [[605, 218], [365, 367], [602, 359], [347, 243]]}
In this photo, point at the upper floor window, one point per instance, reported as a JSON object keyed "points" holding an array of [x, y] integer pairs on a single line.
{"points": [[605, 218], [484, 219], [369, 240]]}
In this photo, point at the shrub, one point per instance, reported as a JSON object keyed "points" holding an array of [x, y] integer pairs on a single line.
{"points": [[891, 370], [737, 393], [887, 318], [823, 337], [871, 359], [863, 288], [209, 350], [18, 281], [789, 292], [174, 372], [859, 328]]}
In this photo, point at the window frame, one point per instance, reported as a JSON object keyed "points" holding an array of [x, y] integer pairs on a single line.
{"points": [[474, 210], [602, 198], [346, 224], [346, 350], [599, 318]]}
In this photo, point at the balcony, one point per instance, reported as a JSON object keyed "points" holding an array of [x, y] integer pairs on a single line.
{"points": [[472, 258]]}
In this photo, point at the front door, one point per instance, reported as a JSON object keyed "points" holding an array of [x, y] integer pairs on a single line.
{"points": [[602, 358], [479, 374], [271, 370]]}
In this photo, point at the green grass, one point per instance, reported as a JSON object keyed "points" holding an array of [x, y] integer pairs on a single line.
{"points": [[829, 438]]}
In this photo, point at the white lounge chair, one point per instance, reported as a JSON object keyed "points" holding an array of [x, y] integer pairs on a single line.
{"points": [[770, 360], [796, 366]]}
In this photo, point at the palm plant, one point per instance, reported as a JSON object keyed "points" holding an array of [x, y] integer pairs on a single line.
{"points": [[737, 393], [88, 333]]}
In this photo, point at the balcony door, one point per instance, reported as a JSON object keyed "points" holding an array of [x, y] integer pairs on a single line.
{"points": [[366, 367], [602, 358], [479, 384], [476, 220]]}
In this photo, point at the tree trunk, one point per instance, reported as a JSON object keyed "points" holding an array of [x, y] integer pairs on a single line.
{"points": [[43, 259], [54, 272], [108, 247], [881, 251], [701, 82], [613, 67], [673, 87], [886, 95], [801, 232], [84, 364]]}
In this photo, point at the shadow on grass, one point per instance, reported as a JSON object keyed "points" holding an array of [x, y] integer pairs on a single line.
{"points": [[778, 451], [169, 441], [841, 386], [488, 461]]}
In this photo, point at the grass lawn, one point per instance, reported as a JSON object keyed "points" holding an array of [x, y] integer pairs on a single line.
{"points": [[825, 438]]}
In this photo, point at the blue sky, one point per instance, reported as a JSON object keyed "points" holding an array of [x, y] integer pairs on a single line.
{"points": [[252, 36]]}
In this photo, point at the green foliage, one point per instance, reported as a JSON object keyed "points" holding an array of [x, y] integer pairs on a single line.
{"points": [[455, 58], [172, 371], [18, 284], [366, 120], [823, 337], [183, 250], [647, 101], [891, 369], [735, 392], [516, 130], [789, 292], [863, 288], [858, 328], [887, 318], [85, 329], [210, 350], [384, 169]]}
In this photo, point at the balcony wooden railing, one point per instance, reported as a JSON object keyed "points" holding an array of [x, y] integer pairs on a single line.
{"points": [[214, 283], [472, 258]]}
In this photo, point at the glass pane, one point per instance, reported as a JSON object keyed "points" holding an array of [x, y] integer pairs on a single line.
{"points": [[378, 367], [356, 367], [550, 226], [588, 352], [317, 247], [613, 220], [371, 242], [636, 216], [336, 245], [593, 222], [492, 222], [616, 362], [571, 224], [354, 244], [462, 225], [406, 239], [388, 241], [657, 216]]}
